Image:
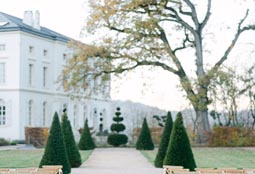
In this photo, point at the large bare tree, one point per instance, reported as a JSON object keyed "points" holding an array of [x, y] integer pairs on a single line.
{"points": [[136, 33]]}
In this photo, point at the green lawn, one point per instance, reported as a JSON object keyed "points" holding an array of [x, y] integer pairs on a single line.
{"points": [[218, 157], [27, 158]]}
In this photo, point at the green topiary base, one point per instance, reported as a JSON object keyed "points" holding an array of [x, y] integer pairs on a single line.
{"points": [[117, 139]]}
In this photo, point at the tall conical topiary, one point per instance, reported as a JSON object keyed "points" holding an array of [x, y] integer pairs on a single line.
{"points": [[179, 152], [55, 150], [144, 141], [71, 147], [86, 142], [116, 139], [164, 141]]}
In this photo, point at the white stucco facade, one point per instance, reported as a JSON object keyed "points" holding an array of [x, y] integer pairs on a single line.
{"points": [[30, 63], [31, 60]]}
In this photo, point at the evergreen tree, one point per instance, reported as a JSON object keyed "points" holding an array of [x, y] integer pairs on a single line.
{"points": [[116, 139], [71, 147], [164, 141], [144, 141], [55, 150], [86, 142], [179, 152]]}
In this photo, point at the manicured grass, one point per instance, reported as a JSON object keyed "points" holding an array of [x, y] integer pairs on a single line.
{"points": [[27, 158], [218, 157]]}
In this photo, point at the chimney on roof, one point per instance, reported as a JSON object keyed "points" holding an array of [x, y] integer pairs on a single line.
{"points": [[28, 18], [37, 20]]}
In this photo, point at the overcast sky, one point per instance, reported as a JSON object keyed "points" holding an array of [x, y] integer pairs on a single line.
{"points": [[158, 88]]}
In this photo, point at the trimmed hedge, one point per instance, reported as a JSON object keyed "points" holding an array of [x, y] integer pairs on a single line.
{"points": [[144, 141], [232, 137], [86, 142], [71, 147], [116, 139], [165, 137], [179, 152], [4, 142], [55, 150]]}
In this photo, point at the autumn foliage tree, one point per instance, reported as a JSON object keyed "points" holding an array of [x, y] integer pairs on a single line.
{"points": [[153, 33]]}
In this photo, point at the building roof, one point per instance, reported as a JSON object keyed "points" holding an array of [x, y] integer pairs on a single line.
{"points": [[11, 23]]}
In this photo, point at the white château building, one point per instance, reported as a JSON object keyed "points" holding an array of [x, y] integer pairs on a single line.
{"points": [[31, 59]]}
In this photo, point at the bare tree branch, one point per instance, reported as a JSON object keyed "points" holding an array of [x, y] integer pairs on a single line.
{"points": [[187, 39], [120, 70], [208, 14], [180, 20], [240, 30], [193, 13]]}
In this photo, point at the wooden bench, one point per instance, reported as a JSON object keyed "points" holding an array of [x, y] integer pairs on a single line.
{"points": [[54, 168], [175, 169]]}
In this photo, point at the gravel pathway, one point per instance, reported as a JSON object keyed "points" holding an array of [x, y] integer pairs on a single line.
{"points": [[116, 161]]}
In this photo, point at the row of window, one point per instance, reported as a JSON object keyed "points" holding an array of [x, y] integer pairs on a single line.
{"points": [[45, 52], [31, 50], [45, 114], [31, 75], [30, 112]]}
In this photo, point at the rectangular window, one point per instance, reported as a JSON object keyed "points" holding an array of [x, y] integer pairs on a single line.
{"points": [[2, 73], [31, 49], [2, 47], [2, 115], [30, 74], [45, 72], [64, 56], [45, 52]]}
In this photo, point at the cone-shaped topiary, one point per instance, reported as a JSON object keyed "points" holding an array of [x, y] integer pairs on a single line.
{"points": [[71, 147], [116, 139], [179, 152], [86, 142], [144, 141], [55, 150], [164, 141]]}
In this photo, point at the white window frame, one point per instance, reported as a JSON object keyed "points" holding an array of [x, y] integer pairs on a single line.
{"points": [[2, 47], [45, 75], [2, 73], [44, 113], [30, 112], [45, 53], [64, 56], [3, 109], [30, 74], [31, 49]]}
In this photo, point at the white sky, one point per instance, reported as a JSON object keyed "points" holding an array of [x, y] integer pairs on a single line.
{"points": [[68, 16]]}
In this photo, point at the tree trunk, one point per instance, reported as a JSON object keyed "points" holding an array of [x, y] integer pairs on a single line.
{"points": [[203, 126]]}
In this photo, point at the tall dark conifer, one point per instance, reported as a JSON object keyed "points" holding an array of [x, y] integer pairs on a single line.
{"points": [[55, 150], [164, 141], [71, 147], [86, 142], [179, 152], [144, 141]]}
